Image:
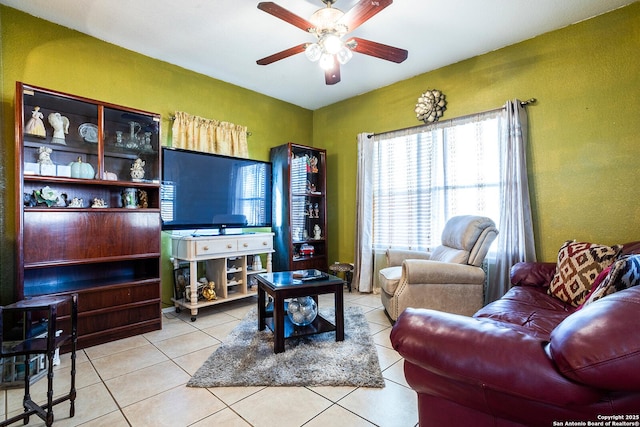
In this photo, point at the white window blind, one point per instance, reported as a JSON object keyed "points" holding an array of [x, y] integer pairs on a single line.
{"points": [[425, 177]]}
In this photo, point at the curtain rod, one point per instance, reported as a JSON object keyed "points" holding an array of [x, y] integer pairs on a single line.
{"points": [[523, 103]]}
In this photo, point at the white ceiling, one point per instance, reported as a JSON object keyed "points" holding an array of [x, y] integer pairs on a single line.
{"points": [[224, 38]]}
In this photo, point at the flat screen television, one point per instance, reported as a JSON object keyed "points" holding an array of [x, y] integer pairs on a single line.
{"points": [[213, 192]]}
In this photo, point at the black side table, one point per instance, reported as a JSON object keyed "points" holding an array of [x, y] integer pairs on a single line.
{"points": [[347, 269], [281, 286], [39, 306]]}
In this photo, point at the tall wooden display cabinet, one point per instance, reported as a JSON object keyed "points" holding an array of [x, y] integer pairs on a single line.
{"points": [[88, 210], [299, 207]]}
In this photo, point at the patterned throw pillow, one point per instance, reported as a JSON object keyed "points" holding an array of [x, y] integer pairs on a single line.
{"points": [[596, 284], [579, 264], [624, 274]]}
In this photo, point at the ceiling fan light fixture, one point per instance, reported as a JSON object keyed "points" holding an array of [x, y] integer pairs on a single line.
{"points": [[331, 43], [313, 51], [325, 18], [330, 26], [326, 61], [344, 55]]}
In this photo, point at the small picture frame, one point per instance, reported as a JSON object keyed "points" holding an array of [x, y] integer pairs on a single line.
{"points": [[180, 281]]}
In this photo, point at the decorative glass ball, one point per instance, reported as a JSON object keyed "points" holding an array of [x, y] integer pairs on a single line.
{"points": [[302, 311]]}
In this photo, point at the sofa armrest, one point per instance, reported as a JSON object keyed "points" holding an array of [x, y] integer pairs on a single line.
{"points": [[598, 345], [537, 274], [427, 271], [484, 355], [395, 257]]}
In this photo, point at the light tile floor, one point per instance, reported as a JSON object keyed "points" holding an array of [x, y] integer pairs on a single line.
{"points": [[140, 381]]}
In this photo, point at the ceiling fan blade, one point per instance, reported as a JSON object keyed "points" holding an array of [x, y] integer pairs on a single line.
{"points": [[287, 16], [362, 12], [332, 75], [282, 55], [378, 50]]}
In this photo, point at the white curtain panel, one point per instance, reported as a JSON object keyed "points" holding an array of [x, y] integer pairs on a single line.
{"points": [[364, 262], [515, 241]]}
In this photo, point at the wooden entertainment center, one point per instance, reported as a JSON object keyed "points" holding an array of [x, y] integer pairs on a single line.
{"points": [[226, 261]]}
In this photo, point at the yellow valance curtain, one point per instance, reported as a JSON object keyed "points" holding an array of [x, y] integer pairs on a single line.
{"points": [[211, 136]]}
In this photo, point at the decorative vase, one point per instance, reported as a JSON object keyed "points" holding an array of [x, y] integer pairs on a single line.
{"points": [[129, 198], [302, 311], [257, 263]]}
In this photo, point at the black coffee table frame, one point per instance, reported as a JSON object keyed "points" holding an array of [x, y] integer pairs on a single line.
{"points": [[281, 286]]}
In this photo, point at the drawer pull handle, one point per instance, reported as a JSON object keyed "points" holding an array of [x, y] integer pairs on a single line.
{"points": [[206, 248], [264, 243], [229, 246], [245, 245]]}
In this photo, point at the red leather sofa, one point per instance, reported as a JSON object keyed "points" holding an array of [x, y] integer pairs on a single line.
{"points": [[528, 359]]}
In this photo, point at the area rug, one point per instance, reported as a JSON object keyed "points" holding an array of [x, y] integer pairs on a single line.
{"points": [[246, 357]]}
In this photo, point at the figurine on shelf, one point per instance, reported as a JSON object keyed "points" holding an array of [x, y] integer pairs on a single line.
{"points": [[316, 211], [146, 145], [76, 203], [137, 170], [317, 232], [98, 203], [108, 176], [46, 196], [311, 188], [209, 291], [35, 125], [119, 141], [44, 156], [60, 126], [29, 200], [143, 199], [62, 201], [314, 164], [306, 249], [308, 163]]}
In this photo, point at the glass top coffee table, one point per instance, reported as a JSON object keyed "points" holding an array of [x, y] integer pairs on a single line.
{"points": [[286, 284]]}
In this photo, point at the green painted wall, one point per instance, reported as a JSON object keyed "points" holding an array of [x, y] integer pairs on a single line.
{"points": [[584, 129], [51, 56]]}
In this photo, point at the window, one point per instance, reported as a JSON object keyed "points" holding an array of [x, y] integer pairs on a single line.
{"points": [[425, 177]]}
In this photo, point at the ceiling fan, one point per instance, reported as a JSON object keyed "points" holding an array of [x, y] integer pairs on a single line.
{"points": [[330, 25]]}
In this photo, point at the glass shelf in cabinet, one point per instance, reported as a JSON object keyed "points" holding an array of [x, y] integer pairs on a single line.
{"points": [[100, 182], [308, 194], [71, 147]]}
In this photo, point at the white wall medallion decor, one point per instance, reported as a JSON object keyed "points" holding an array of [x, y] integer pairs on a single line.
{"points": [[431, 106]]}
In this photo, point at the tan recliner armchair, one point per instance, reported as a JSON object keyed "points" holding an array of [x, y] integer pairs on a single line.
{"points": [[450, 278]]}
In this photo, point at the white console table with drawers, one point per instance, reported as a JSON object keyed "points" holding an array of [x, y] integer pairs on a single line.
{"points": [[226, 263]]}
